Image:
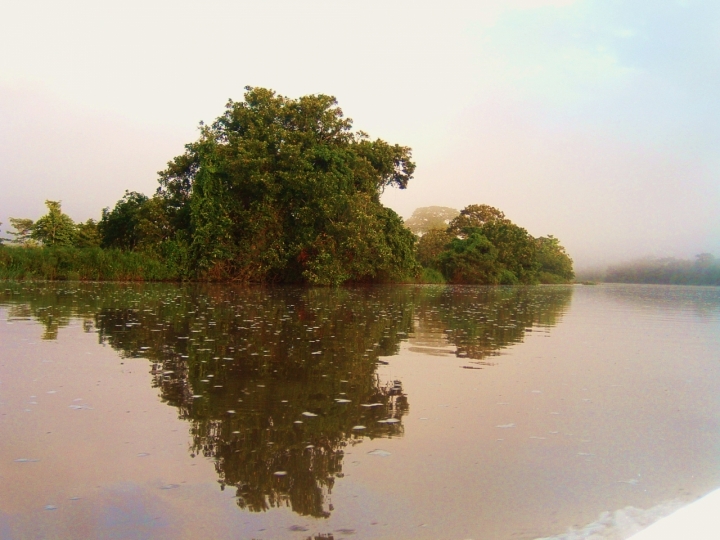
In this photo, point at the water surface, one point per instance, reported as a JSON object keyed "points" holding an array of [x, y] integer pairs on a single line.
{"points": [[188, 411]]}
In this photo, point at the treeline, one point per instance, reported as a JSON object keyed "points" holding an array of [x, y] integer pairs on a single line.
{"points": [[280, 190], [704, 270], [480, 245]]}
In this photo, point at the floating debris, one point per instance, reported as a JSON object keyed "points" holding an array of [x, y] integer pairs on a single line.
{"points": [[308, 414], [359, 427], [389, 421], [50, 507], [632, 481], [340, 400], [506, 426], [371, 405], [280, 473], [378, 452], [170, 486]]}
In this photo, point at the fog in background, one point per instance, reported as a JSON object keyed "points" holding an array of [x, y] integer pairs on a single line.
{"points": [[595, 121]]}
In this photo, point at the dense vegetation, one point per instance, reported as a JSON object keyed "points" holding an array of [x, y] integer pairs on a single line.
{"points": [[480, 245], [704, 270], [280, 190]]}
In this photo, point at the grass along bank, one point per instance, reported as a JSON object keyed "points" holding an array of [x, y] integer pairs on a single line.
{"points": [[83, 264]]}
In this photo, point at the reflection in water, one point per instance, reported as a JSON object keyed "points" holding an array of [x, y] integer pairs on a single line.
{"points": [[277, 383], [478, 322]]}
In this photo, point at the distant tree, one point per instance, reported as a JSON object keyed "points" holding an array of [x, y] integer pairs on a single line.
{"points": [[556, 266], [87, 234], [21, 236], [705, 260], [705, 270], [428, 218], [118, 227], [54, 228], [475, 216]]}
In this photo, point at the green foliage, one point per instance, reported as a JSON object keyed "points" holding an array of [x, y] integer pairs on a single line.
{"points": [[429, 218], [431, 244], [482, 246], [474, 216], [556, 266], [119, 227], [54, 228], [21, 236], [87, 234], [88, 264], [472, 259], [516, 251], [283, 190], [431, 276]]}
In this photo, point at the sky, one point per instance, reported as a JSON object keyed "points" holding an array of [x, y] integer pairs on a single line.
{"points": [[595, 121]]}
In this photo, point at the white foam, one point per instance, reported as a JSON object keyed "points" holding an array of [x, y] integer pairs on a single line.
{"points": [[620, 524]]}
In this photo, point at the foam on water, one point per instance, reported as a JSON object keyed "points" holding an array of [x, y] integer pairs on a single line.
{"points": [[620, 524]]}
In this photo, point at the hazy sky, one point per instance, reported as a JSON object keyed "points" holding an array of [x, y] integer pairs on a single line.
{"points": [[595, 121]]}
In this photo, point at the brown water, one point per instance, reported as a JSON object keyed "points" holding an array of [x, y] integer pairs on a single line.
{"points": [[169, 411]]}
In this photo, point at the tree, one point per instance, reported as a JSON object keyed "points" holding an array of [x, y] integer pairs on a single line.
{"points": [[21, 236], [431, 244], [87, 234], [428, 218], [475, 216], [280, 189], [556, 266], [472, 259], [516, 250], [55, 228], [118, 227]]}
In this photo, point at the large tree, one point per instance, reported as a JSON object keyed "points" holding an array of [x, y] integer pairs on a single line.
{"points": [[280, 189], [54, 228]]}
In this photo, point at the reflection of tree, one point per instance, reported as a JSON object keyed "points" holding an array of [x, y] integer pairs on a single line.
{"points": [[243, 365], [480, 321]]}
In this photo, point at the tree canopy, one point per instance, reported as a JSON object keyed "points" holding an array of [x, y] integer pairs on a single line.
{"points": [[282, 190], [54, 228], [480, 245]]}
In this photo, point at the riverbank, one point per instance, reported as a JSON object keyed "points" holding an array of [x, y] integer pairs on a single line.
{"points": [[83, 264]]}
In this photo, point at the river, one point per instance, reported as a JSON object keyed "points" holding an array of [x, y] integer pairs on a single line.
{"points": [[389, 412]]}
